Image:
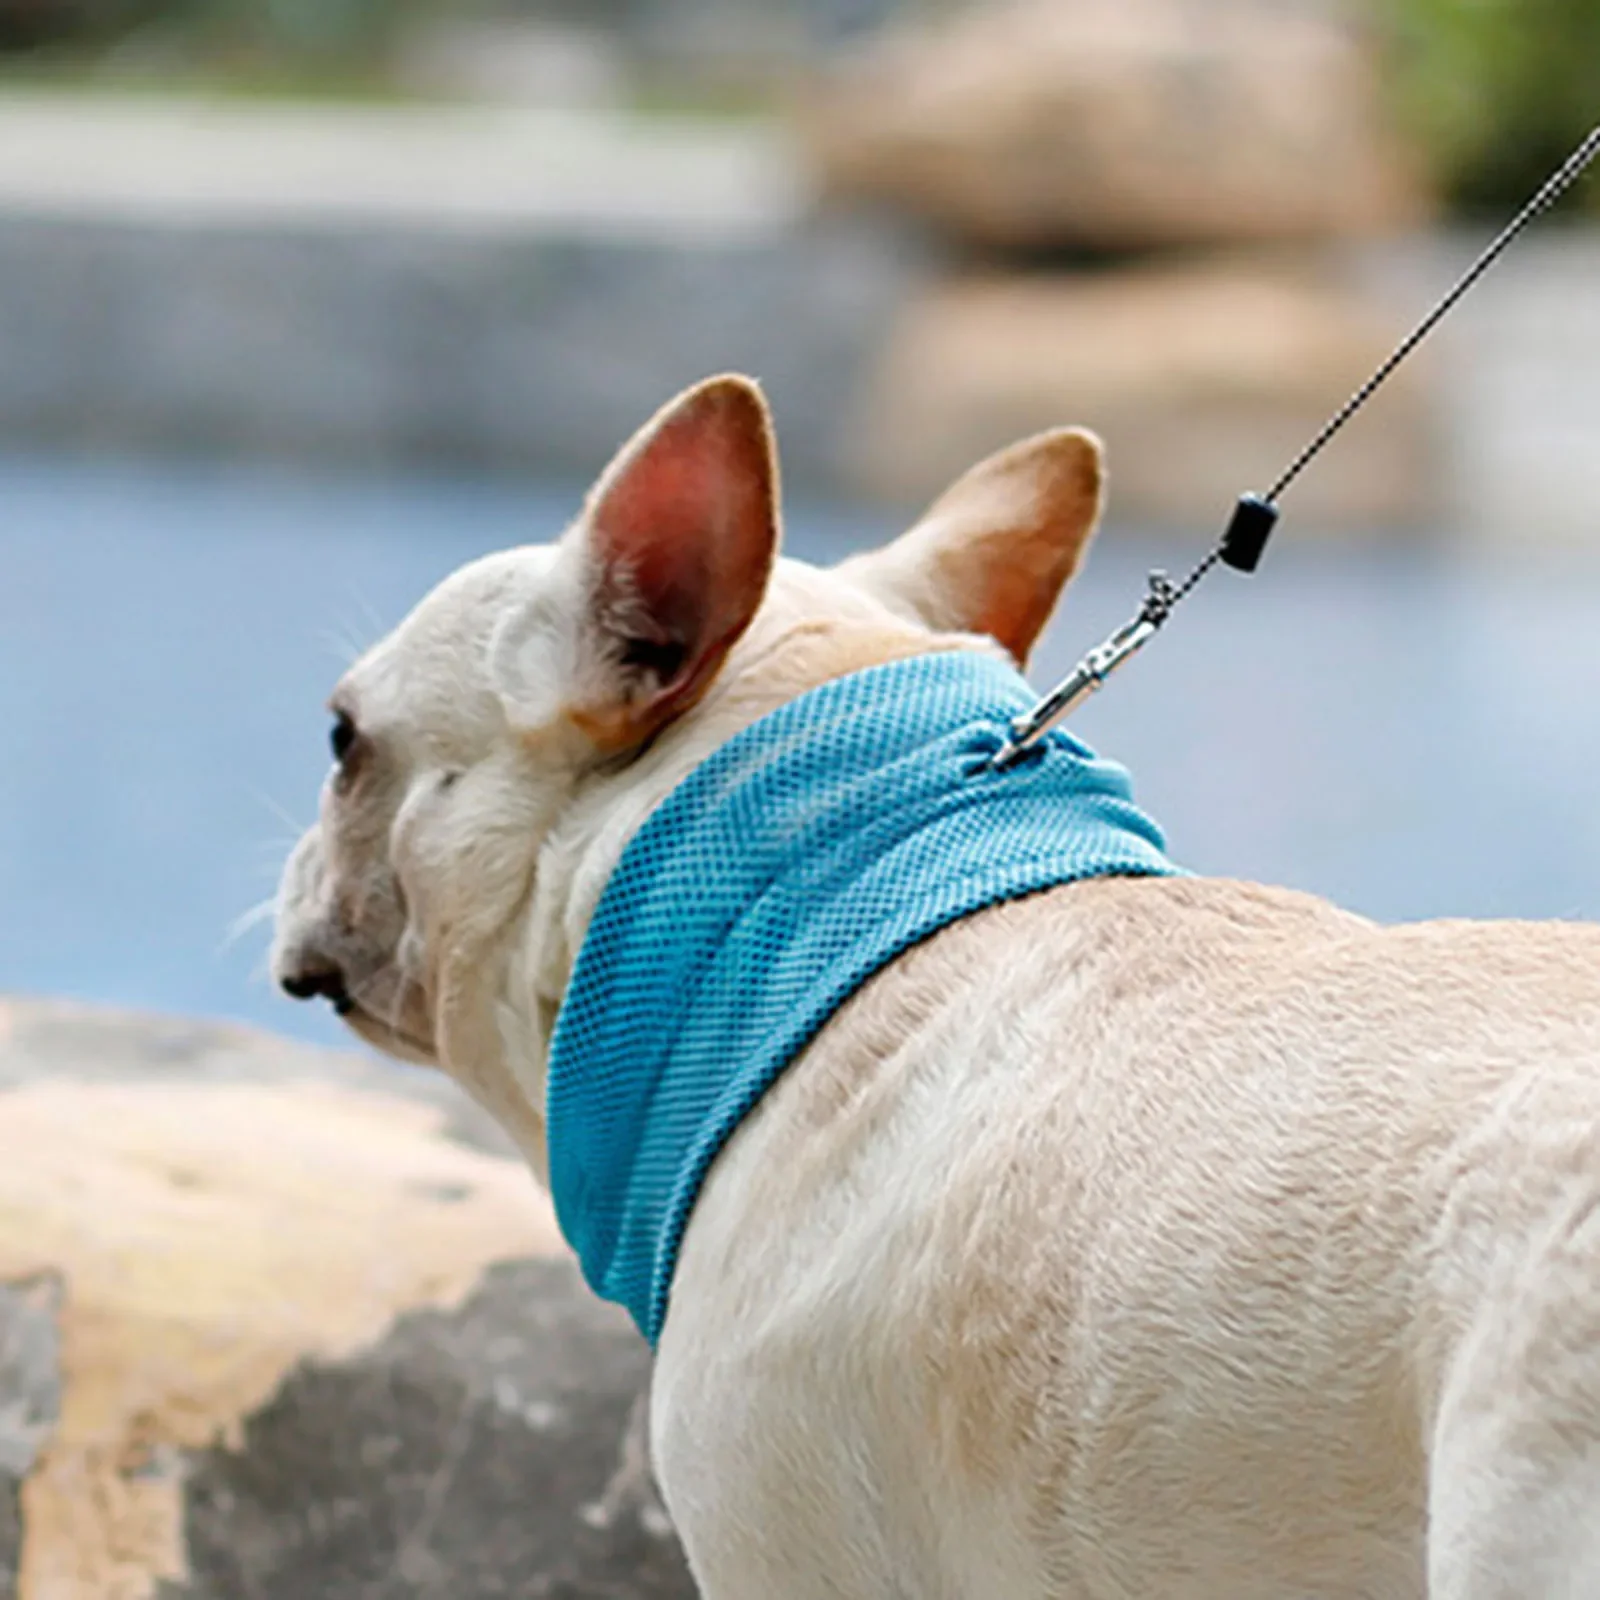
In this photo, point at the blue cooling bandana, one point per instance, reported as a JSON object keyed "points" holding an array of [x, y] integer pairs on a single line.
{"points": [[782, 873]]}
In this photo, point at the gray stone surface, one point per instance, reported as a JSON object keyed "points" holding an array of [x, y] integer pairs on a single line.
{"points": [[494, 1451], [10, 1535], [380, 345], [491, 1445], [30, 1401]]}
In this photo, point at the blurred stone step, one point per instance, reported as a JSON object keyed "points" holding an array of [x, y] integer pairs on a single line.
{"points": [[281, 1323], [1204, 381], [486, 287], [213, 161]]}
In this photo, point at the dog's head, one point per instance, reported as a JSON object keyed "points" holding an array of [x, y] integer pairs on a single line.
{"points": [[491, 755]]}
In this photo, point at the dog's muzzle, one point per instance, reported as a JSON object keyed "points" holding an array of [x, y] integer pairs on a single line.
{"points": [[313, 981]]}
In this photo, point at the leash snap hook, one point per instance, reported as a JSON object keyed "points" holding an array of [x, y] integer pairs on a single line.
{"points": [[1161, 595]]}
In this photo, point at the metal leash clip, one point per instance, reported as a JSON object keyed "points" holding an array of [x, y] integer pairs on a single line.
{"points": [[1241, 547], [1089, 674]]}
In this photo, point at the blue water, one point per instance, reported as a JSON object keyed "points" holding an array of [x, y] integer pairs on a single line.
{"points": [[1404, 734]]}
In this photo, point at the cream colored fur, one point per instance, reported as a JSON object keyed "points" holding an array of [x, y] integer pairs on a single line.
{"points": [[1157, 1238]]}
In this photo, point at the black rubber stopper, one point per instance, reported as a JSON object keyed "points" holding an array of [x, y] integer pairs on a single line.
{"points": [[1251, 526]]}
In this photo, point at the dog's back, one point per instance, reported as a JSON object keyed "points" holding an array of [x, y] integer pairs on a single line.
{"points": [[1153, 1236]]}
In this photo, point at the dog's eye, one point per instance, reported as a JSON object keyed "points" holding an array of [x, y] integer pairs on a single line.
{"points": [[342, 736]]}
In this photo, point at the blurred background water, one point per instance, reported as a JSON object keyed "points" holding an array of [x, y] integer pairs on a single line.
{"points": [[303, 306]]}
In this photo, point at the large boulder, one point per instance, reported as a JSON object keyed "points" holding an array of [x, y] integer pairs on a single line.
{"points": [[1117, 124], [282, 1324], [1204, 380]]}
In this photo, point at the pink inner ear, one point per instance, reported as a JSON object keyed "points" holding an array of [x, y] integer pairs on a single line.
{"points": [[685, 528], [654, 525]]}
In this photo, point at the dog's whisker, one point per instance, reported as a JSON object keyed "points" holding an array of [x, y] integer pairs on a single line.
{"points": [[249, 919], [343, 646], [374, 623], [282, 813], [350, 642]]}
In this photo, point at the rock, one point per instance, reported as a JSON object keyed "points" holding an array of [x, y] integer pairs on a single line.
{"points": [[1117, 124], [278, 1323], [1204, 381], [30, 1402]]}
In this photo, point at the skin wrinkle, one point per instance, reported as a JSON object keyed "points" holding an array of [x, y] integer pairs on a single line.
{"points": [[1140, 1238]]}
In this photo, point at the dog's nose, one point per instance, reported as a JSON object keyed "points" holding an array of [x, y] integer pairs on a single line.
{"points": [[310, 982]]}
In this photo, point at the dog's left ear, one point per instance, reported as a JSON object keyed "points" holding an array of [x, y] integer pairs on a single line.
{"points": [[995, 550], [660, 576]]}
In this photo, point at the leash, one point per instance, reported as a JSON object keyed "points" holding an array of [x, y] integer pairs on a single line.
{"points": [[1256, 515]]}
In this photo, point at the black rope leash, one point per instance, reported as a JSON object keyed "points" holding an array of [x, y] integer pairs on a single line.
{"points": [[1256, 515]]}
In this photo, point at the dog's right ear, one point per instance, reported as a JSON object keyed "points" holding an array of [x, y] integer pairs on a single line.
{"points": [[993, 553], [657, 579]]}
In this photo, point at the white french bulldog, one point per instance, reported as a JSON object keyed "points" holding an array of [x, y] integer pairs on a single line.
{"points": [[1141, 1237]]}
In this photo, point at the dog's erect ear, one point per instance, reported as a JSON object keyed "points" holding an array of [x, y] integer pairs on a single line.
{"points": [[665, 569], [992, 554]]}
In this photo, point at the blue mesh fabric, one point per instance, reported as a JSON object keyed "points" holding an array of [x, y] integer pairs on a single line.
{"points": [[787, 868]]}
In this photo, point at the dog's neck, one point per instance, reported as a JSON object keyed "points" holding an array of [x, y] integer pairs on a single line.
{"points": [[771, 666], [787, 869]]}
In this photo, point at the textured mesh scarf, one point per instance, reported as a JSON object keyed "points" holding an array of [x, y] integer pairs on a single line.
{"points": [[786, 869]]}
